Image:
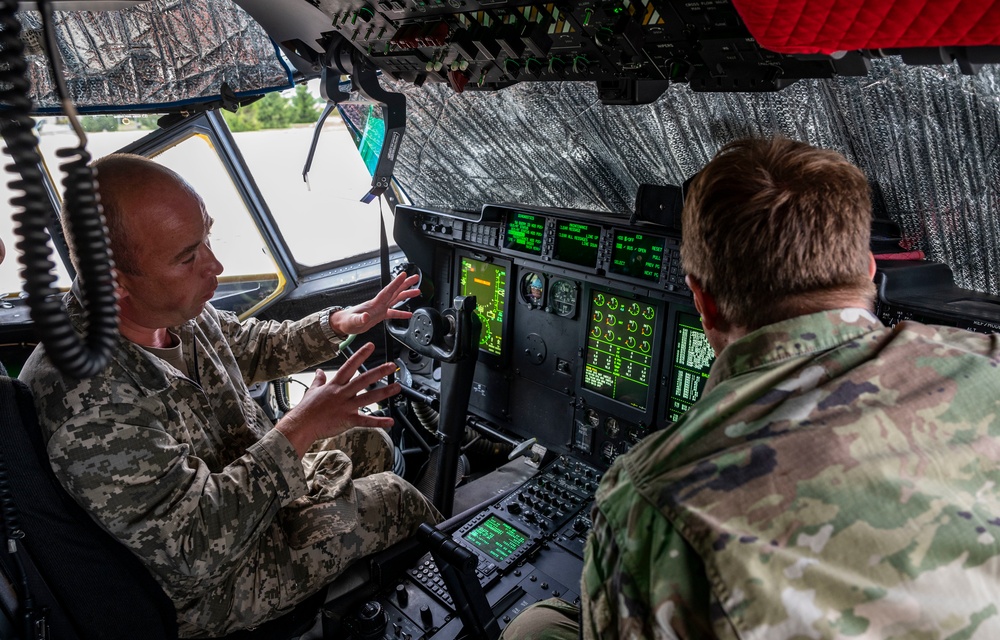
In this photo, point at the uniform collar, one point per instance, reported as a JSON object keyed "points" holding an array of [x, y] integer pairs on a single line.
{"points": [[800, 336]]}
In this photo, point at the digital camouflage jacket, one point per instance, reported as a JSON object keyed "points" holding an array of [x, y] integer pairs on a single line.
{"points": [[836, 479], [187, 472]]}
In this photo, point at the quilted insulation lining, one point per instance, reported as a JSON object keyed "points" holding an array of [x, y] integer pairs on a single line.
{"points": [[826, 26]]}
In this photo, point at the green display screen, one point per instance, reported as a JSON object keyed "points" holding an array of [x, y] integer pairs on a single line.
{"points": [[369, 135], [637, 255], [524, 233], [693, 358], [619, 355], [496, 538], [488, 282], [577, 243]]}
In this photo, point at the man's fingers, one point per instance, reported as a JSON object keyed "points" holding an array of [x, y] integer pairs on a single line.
{"points": [[369, 378], [375, 422], [390, 290], [359, 320], [399, 289], [398, 314], [358, 400], [406, 294], [349, 368], [377, 395], [319, 379]]}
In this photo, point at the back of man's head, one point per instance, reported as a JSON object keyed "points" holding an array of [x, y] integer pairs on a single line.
{"points": [[773, 228]]}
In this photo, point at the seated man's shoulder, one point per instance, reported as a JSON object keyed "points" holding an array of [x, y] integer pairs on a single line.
{"points": [[641, 474], [59, 396], [964, 341]]}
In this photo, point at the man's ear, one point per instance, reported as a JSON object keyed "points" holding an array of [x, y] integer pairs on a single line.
{"points": [[121, 285], [704, 302], [871, 266]]}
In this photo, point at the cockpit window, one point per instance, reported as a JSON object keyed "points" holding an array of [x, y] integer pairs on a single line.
{"points": [[251, 276], [321, 217]]}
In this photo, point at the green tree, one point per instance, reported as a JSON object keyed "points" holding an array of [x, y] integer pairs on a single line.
{"points": [[243, 120], [93, 124], [147, 122], [273, 111], [304, 107]]}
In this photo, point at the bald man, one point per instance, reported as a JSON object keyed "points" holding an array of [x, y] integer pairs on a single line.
{"points": [[238, 519]]}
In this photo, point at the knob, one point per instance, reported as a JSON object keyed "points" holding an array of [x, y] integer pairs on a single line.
{"points": [[402, 595], [605, 37], [371, 621], [426, 616], [514, 508]]}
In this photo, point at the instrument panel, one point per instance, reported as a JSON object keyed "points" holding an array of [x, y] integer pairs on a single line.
{"points": [[590, 337]]}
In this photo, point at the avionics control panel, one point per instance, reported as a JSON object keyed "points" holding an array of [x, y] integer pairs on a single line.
{"points": [[590, 338], [632, 48], [607, 246], [522, 555]]}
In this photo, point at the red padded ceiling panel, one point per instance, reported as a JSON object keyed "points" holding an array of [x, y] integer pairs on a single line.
{"points": [[825, 26]]}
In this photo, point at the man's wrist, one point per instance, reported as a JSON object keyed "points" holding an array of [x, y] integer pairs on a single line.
{"points": [[327, 318]]}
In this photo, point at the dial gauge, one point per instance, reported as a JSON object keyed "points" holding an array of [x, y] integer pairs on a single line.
{"points": [[563, 296], [532, 290]]}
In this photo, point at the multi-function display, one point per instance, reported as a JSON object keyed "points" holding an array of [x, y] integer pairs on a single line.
{"points": [[496, 538], [637, 255], [488, 282], [693, 357], [576, 243], [620, 348], [524, 233]]}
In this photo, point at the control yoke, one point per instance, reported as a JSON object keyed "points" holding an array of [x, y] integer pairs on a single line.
{"points": [[452, 338]]}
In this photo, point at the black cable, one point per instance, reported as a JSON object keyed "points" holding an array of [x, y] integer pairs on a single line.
{"points": [[73, 356], [280, 397]]}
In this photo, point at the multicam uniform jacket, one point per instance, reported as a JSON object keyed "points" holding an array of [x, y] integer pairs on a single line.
{"points": [[188, 472], [836, 479]]}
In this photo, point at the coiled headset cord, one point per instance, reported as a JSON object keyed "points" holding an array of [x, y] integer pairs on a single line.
{"points": [[73, 356]]}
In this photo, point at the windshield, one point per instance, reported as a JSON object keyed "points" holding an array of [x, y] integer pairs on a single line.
{"points": [[923, 135]]}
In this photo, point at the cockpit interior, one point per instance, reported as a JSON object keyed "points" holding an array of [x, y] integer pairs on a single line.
{"points": [[528, 160]]}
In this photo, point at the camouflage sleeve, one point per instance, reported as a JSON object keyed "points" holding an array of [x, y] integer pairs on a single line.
{"points": [[265, 349], [641, 578], [147, 489]]}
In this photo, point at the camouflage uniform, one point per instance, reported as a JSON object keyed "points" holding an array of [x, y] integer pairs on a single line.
{"points": [[190, 475], [836, 479]]}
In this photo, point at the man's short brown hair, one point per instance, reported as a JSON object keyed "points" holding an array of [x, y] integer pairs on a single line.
{"points": [[773, 228]]}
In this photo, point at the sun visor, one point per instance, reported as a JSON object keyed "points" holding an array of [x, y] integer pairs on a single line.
{"points": [[926, 135], [153, 56]]}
